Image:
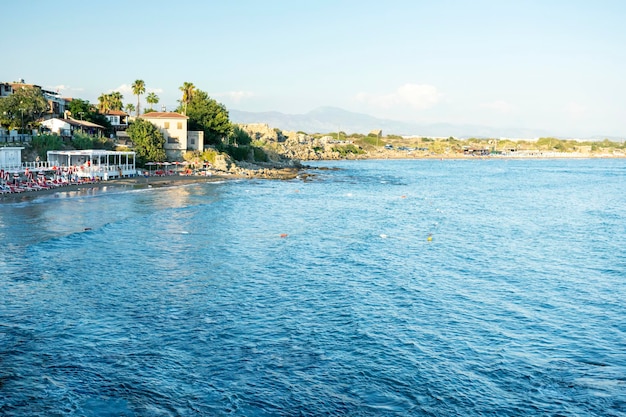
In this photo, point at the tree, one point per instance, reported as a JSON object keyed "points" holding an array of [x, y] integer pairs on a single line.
{"points": [[240, 136], [208, 115], [111, 101], [152, 98], [83, 110], [130, 107], [116, 100], [78, 106], [188, 90], [23, 107], [148, 140], [139, 87], [104, 103]]}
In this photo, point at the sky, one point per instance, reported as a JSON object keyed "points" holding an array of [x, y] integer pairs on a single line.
{"points": [[555, 65]]}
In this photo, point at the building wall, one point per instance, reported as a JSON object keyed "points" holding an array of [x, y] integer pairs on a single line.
{"points": [[114, 120], [174, 131], [10, 157], [5, 89], [58, 126], [195, 140]]}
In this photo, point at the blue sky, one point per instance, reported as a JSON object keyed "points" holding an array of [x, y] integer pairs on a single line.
{"points": [[550, 64]]}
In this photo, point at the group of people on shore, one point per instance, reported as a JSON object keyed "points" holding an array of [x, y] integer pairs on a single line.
{"points": [[14, 183]]}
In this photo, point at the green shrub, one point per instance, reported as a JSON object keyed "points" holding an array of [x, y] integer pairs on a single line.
{"points": [[239, 136], [85, 141], [260, 155], [44, 143], [209, 155], [347, 149], [372, 140], [238, 153]]}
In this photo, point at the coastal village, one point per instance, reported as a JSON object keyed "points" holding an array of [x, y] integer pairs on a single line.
{"points": [[266, 152]]}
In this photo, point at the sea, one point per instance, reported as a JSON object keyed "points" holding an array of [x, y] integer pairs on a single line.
{"points": [[474, 287]]}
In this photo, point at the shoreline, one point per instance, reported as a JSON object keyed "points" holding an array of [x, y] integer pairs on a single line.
{"points": [[134, 183], [142, 182]]}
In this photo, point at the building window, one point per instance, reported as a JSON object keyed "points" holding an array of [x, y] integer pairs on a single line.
{"points": [[172, 140], [167, 125], [179, 125], [192, 141]]}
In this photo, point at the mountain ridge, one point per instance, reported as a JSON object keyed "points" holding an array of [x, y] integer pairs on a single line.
{"points": [[332, 119]]}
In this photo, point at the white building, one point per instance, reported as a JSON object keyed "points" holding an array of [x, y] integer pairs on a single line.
{"points": [[11, 158], [95, 163], [65, 127], [177, 138], [118, 119]]}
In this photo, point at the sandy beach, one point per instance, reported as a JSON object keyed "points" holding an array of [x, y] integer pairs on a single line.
{"points": [[127, 183]]}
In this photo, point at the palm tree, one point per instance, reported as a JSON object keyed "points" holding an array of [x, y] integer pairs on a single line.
{"points": [[152, 98], [139, 87], [104, 103], [116, 100], [130, 107], [188, 89]]}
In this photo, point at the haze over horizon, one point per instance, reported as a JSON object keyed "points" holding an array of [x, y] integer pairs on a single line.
{"points": [[553, 66]]}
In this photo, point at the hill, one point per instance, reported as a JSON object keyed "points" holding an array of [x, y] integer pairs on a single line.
{"points": [[333, 119]]}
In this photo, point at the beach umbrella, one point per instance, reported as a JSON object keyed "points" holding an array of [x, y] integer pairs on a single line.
{"points": [[16, 177]]}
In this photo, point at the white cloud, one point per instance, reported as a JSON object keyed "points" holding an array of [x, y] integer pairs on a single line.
{"points": [[127, 89], [499, 105], [416, 96], [235, 96], [63, 89]]}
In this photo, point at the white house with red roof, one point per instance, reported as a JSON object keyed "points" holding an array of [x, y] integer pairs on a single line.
{"points": [[118, 119]]}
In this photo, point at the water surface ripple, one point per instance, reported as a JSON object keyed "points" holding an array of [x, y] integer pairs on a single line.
{"points": [[188, 301]]}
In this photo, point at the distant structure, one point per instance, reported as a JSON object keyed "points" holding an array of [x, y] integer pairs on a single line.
{"points": [[377, 133]]}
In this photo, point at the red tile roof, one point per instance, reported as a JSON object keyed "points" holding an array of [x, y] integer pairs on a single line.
{"points": [[162, 115], [117, 113]]}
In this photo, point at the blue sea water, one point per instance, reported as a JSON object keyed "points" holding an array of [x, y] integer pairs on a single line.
{"points": [[324, 295]]}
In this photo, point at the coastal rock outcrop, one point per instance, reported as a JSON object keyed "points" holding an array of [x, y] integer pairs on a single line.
{"points": [[294, 145]]}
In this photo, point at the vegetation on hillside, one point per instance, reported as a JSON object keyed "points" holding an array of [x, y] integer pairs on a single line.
{"points": [[21, 109], [83, 110], [41, 144], [453, 145]]}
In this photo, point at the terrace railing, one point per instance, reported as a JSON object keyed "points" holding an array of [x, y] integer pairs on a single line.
{"points": [[20, 138]]}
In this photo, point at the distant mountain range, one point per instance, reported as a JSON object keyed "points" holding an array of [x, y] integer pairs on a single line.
{"points": [[331, 119]]}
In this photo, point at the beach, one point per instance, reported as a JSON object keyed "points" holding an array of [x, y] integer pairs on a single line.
{"points": [[130, 183]]}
